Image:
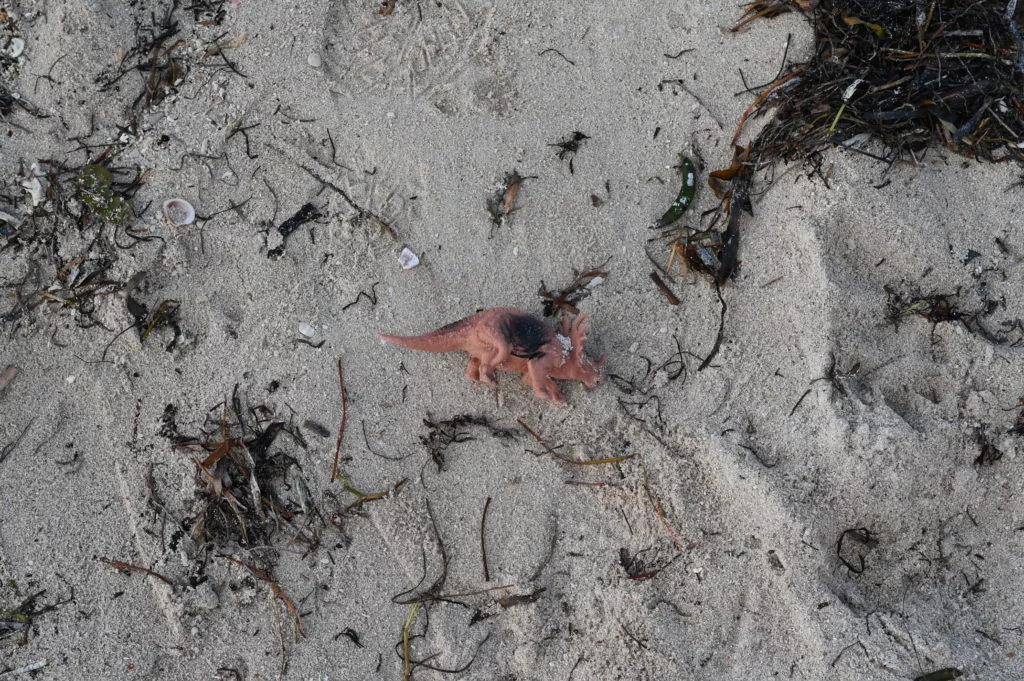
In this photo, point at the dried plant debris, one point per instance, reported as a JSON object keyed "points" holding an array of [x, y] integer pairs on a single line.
{"points": [[154, 56], [903, 74], [568, 147], [670, 296], [944, 674], [653, 376], [442, 434], [16, 622], [165, 315], [1018, 425], [888, 79], [566, 299], [247, 487], [74, 221], [644, 404], [208, 12], [637, 568], [169, 428], [502, 203], [307, 213], [938, 308], [766, 9], [988, 453]]}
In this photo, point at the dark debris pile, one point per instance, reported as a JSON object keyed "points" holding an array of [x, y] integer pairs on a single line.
{"points": [[902, 73]]}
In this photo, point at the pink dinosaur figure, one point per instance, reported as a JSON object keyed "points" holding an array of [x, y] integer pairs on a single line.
{"points": [[516, 341]]}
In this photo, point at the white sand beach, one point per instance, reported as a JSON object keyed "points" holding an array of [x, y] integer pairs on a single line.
{"points": [[836, 495]]}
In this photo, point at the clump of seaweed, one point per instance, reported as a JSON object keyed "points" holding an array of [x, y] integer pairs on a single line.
{"points": [[165, 315], [21, 619], [888, 79], [240, 477], [901, 73], [442, 434], [77, 216], [154, 57], [938, 308], [566, 299]]}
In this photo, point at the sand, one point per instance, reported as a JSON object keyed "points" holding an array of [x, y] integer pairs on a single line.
{"points": [[711, 553]]}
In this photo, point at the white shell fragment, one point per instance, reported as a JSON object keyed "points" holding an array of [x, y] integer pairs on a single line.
{"points": [[314, 60], [35, 189], [179, 212], [306, 330], [408, 259], [15, 48]]}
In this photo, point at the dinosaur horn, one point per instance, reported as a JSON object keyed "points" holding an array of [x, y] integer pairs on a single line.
{"points": [[579, 330]]}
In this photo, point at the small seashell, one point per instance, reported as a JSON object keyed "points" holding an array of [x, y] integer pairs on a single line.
{"points": [[306, 330], [314, 60], [15, 49], [408, 259], [179, 212]]}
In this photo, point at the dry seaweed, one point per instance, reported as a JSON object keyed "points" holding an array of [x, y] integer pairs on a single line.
{"points": [[442, 434], [240, 478], [19, 619], [665, 290], [343, 398], [636, 568], [938, 308], [422, 599], [582, 286], [888, 79], [568, 147], [164, 316], [945, 674], [277, 590], [154, 57], [1018, 425], [501, 204], [70, 240], [128, 567], [902, 73], [207, 12], [307, 213]]}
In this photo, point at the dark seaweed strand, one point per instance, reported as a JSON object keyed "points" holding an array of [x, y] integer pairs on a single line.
{"points": [[526, 335]]}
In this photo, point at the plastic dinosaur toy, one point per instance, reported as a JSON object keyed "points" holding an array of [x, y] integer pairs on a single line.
{"points": [[516, 341]]}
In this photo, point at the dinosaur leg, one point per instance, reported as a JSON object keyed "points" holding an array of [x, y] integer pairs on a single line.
{"points": [[473, 370], [489, 360], [543, 387]]}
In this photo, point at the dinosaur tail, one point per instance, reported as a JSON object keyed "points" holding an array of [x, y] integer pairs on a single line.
{"points": [[446, 339]]}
